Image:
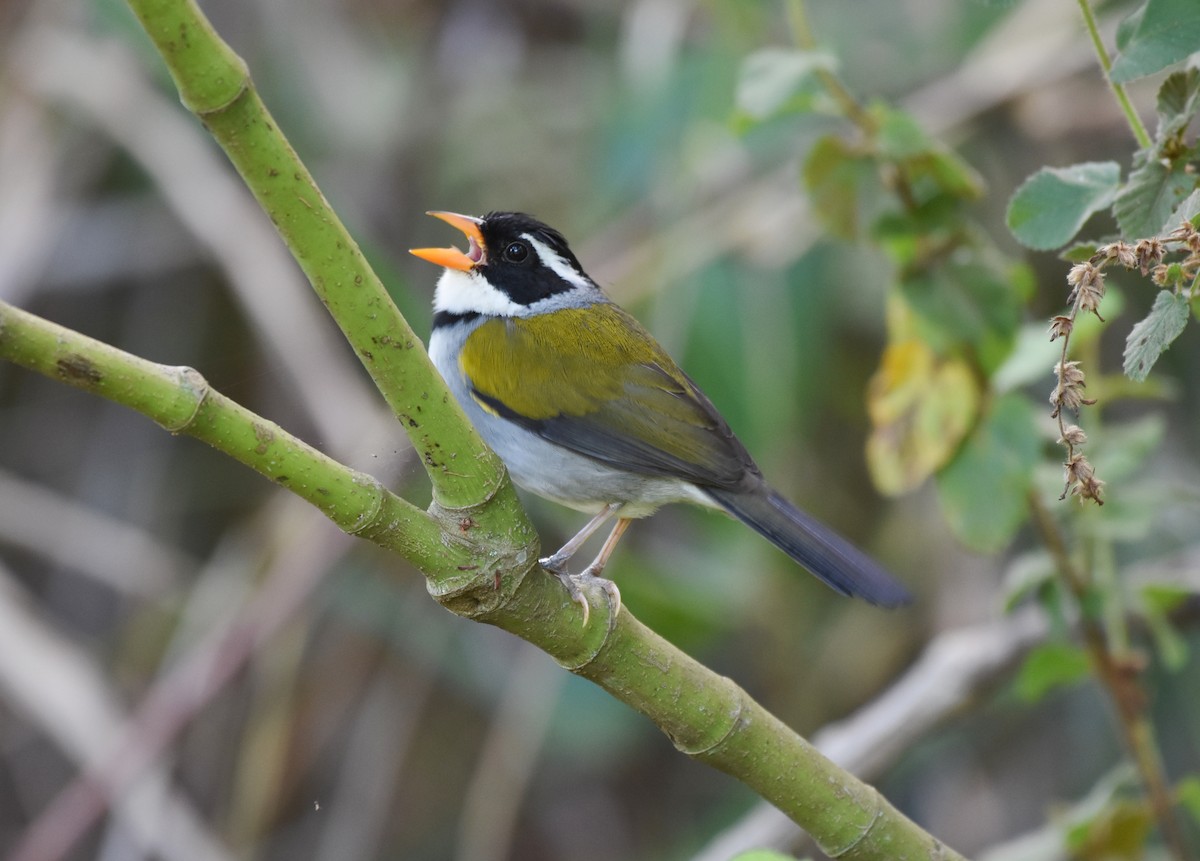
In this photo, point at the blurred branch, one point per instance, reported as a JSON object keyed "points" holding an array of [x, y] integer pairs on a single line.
{"points": [[1051, 841], [1119, 677], [188, 686], [379, 738], [61, 529], [30, 172], [66, 696], [103, 83], [506, 762]]}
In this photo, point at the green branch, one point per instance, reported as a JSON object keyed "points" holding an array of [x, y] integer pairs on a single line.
{"points": [[475, 545], [705, 715], [181, 401], [215, 85]]}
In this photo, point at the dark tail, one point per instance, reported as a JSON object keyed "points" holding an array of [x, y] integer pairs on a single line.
{"points": [[815, 546]]}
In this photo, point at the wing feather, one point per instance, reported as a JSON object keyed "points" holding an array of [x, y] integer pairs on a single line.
{"points": [[594, 381]]}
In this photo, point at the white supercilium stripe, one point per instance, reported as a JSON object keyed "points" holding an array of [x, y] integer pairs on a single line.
{"points": [[556, 264]]}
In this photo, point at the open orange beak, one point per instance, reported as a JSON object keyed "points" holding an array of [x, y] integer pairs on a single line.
{"points": [[452, 258]]}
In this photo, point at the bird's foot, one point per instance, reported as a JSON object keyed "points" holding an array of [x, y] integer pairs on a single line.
{"points": [[574, 584]]}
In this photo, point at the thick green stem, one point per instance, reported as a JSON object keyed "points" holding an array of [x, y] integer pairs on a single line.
{"points": [[706, 716], [216, 86], [475, 546], [181, 401]]}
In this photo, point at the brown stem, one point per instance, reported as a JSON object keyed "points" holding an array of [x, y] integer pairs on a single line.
{"points": [[1120, 679]]}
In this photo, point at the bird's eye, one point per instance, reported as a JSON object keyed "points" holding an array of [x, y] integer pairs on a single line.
{"points": [[516, 252]]}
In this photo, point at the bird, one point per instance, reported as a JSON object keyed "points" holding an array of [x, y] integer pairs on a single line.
{"points": [[586, 409]]}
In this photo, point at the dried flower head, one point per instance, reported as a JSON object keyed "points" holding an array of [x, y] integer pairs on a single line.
{"points": [[1149, 253], [1087, 287], [1081, 480], [1118, 251], [1073, 436], [1068, 393], [1061, 326], [1070, 373], [1187, 234]]}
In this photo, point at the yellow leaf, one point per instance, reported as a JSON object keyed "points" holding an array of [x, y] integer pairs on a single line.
{"points": [[921, 406]]}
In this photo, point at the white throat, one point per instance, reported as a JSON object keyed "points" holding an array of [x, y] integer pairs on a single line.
{"points": [[460, 292]]}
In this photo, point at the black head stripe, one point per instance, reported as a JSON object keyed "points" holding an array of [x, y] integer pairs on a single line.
{"points": [[530, 280]]}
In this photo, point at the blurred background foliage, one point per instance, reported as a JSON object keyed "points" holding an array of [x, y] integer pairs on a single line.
{"points": [[376, 726]]}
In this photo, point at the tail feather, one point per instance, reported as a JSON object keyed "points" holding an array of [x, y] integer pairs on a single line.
{"points": [[818, 548]]}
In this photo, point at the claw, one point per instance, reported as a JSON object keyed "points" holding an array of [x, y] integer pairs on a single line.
{"points": [[574, 584], [608, 586], [557, 566], [571, 584]]}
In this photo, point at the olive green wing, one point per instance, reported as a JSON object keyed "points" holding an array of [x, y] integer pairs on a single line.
{"points": [[594, 381]]}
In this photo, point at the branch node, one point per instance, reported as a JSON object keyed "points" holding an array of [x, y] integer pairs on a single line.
{"points": [[735, 722], [369, 514], [197, 387], [497, 563], [876, 817]]}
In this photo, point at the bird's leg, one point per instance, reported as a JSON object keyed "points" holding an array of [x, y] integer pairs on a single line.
{"points": [[594, 570], [556, 563]]}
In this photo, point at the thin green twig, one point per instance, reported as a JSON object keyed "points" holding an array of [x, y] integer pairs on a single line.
{"points": [[1131, 116], [803, 36]]}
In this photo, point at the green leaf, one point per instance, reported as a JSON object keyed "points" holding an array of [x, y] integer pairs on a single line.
{"points": [[1171, 647], [900, 136], [834, 175], [1187, 793], [1158, 34], [1033, 355], [761, 855], [930, 167], [777, 80], [1189, 210], [1152, 194], [1149, 338], [983, 490], [1052, 205], [1027, 575], [1158, 601], [1165, 597], [1118, 833], [1079, 252], [1050, 666], [1123, 447], [965, 305], [1178, 102]]}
